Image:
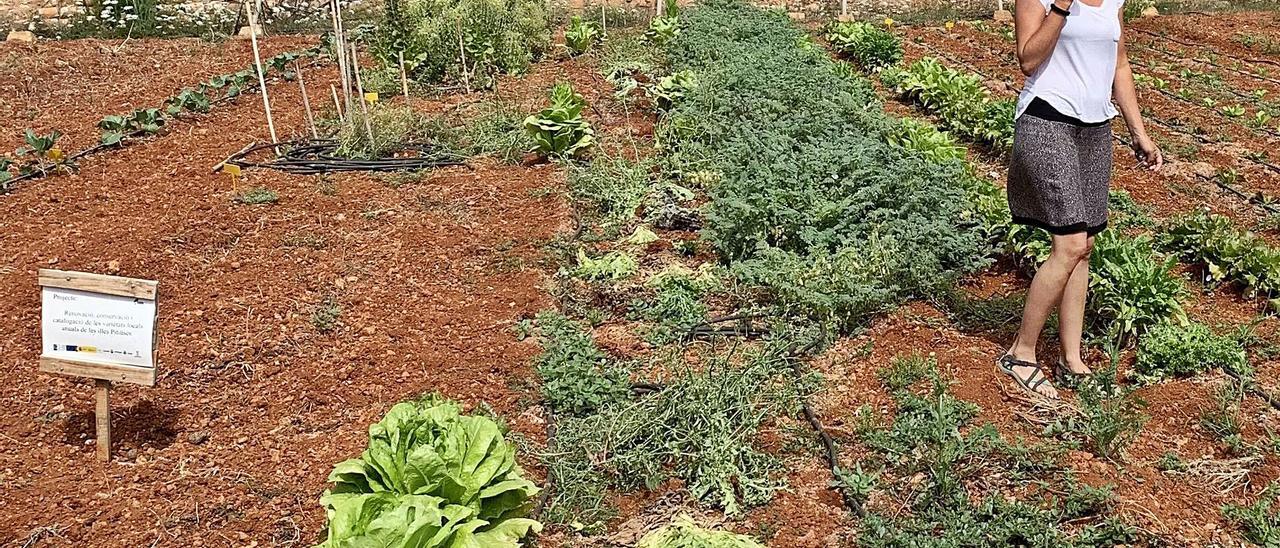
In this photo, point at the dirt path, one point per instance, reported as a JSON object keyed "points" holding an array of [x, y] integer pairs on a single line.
{"points": [[254, 404]]}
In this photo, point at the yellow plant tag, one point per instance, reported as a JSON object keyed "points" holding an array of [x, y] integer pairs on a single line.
{"points": [[950, 25], [231, 169], [55, 154], [888, 21], [371, 97]]}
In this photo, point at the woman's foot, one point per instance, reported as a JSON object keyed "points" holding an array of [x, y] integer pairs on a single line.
{"points": [[1072, 372], [1074, 367], [1027, 374]]}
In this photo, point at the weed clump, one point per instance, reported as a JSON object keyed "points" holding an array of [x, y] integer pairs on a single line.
{"points": [[257, 195], [1180, 351]]}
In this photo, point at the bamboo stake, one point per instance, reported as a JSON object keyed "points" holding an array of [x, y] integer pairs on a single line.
{"points": [[342, 31], [463, 50], [337, 104], [306, 103], [604, 26], [360, 89], [340, 50], [257, 64], [404, 77]]}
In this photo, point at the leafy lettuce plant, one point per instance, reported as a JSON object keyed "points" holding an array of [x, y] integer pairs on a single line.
{"points": [[581, 35], [670, 89], [1228, 254], [662, 30], [961, 100], [560, 130], [430, 477]]}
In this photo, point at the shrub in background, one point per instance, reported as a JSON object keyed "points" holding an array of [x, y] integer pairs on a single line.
{"points": [[498, 36]]}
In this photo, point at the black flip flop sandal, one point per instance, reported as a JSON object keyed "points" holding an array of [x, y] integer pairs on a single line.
{"points": [[1070, 379], [1005, 363]]}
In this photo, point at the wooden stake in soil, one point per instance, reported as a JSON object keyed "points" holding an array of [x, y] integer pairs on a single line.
{"points": [[340, 51], [463, 50], [102, 417], [364, 109], [404, 76], [306, 103], [604, 26], [337, 105], [257, 63]]}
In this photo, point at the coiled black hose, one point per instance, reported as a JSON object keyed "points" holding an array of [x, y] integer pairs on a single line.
{"points": [[319, 156]]}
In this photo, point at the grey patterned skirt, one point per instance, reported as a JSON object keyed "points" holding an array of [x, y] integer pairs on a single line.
{"points": [[1059, 175]]}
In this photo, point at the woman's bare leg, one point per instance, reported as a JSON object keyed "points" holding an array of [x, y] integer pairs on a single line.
{"points": [[1046, 292], [1071, 315]]}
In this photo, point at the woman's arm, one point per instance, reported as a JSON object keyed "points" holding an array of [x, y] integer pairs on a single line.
{"points": [[1126, 97], [1037, 32]]}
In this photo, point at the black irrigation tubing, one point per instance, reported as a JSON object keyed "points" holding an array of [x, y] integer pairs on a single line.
{"points": [[1167, 53], [1256, 199], [544, 497], [707, 328], [1254, 389], [828, 444], [1154, 120], [306, 157], [1195, 45], [1010, 57]]}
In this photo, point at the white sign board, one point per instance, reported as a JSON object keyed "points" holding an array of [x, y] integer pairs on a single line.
{"points": [[96, 327]]}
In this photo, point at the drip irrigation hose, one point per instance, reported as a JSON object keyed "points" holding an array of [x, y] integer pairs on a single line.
{"points": [[1206, 61], [1154, 120], [791, 356], [545, 496], [311, 157], [1010, 58], [1256, 200]]}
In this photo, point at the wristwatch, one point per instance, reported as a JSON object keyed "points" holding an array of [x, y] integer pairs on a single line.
{"points": [[1053, 8]]}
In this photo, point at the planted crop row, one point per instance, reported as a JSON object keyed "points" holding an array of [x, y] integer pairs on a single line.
{"points": [[961, 100], [808, 200], [40, 155]]}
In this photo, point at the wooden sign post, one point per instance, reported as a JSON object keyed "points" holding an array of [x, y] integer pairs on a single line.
{"points": [[100, 327]]}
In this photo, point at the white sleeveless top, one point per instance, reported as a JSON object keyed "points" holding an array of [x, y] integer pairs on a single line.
{"points": [[1076, 79]]}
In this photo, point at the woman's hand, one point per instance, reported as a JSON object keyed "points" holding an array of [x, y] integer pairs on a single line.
{"points": [[1147, 153]]}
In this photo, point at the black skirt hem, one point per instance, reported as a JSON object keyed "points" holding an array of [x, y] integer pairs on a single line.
{"points": [[1064, 230]]}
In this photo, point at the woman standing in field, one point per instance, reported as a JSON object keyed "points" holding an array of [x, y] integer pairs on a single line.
{"points": [[1074, 56]]}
